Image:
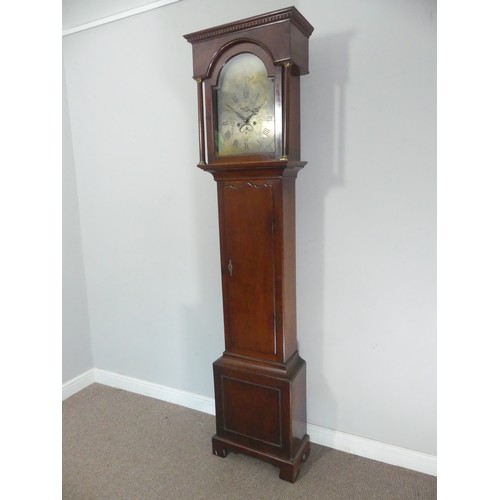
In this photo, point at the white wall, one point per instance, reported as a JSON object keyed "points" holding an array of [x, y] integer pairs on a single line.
{"points": [[365, 208], [366, 220]]}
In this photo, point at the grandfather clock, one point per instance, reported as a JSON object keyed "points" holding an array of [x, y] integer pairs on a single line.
{"points": [[248, 75]]}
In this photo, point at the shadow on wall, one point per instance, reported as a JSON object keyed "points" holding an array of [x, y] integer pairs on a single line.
{"points": [[323, 139]]}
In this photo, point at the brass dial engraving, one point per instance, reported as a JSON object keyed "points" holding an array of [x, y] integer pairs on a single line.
{"points": [[245, 108]]}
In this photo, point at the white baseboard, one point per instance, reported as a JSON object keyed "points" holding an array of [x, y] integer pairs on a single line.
{"points": [[175, 396], [375, 450], [77, 384]]}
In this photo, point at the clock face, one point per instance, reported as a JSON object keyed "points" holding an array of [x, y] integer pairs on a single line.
{"points": [[244, 108]]}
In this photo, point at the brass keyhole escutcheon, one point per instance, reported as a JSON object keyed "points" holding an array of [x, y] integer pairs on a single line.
{"points": [[230, 268]]}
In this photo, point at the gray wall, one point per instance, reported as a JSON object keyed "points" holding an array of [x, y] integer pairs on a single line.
{"points": [[365, 208], [76, 344]]}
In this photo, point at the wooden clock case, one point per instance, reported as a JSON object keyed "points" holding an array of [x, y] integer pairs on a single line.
{"points": [[260, 380]]}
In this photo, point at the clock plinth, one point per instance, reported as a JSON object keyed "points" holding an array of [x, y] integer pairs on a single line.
{"points": [[249, 128], [261, 411]]}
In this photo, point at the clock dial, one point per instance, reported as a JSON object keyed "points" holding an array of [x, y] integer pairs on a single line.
{"points": [[245, 108]]}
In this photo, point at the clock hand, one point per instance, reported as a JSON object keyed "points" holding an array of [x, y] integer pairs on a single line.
{"points": [[246, 127], [257, 109], [238, 114], [254, 111]]}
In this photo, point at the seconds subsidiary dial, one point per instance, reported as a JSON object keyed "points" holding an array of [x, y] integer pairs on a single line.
{"points": [[245, 108]]}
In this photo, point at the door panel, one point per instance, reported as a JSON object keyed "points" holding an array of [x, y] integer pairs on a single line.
{"points": [[249, 259]]}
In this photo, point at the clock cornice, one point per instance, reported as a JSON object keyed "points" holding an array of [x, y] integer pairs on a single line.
{"points": [[288, 14]]}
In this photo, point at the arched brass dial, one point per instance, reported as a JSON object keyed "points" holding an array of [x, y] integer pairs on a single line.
{"points": [[245, 108]]}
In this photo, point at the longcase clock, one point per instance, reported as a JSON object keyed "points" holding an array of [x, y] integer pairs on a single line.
{"points": [[248, 80]]}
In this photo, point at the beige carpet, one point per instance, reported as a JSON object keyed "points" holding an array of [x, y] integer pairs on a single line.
{"points": [[120, 445]]}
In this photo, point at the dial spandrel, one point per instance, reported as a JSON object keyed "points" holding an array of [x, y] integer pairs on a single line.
{"points": [[245, 108]]}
